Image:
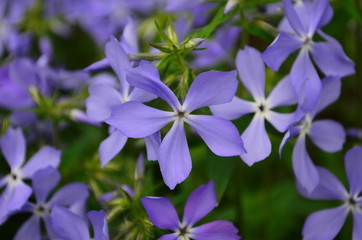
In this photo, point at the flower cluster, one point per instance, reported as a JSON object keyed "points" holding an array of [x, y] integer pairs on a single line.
{"points": [[185, 84]]}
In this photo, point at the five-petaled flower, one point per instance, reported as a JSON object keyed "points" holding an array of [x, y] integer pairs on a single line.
{"points": [[200, 202]]}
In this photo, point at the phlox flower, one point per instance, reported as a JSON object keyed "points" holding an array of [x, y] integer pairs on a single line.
{"points": [[326, 134], [326, 224], [200, 202], [137, 120], [17, 192], [251, 69], [305, 20], [44, 181], [69, 226]]}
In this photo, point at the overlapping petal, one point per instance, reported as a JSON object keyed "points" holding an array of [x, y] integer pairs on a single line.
{"points": [[43, 182], [330, 93], [29, 230], [147, 78], [153, 143], [280, 49], [282, 94], [46, 157], [100, 224], [234, 109], [293, 18], [281, 121], [357, 225], [68, 225], [70, 194]]}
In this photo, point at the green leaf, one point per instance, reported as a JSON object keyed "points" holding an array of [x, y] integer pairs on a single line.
{"points": [[220, 170], [352, 8]]}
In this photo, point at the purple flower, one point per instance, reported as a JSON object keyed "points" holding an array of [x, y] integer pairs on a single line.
{"points": [[218, 49], [251, 70], [17, 192], [328, 135], [43, 182], [106, 93], [137, 120], [304, 21], [201, 201], [69, 226], [327, 223]]}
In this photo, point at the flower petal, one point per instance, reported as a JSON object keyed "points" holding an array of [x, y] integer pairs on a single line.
{"points": [[18, 197], [305, 81], [357, 225], [331, 59], [153, 143], [353, 164], [280, 49], [171, 236], [324, 224], [251, 70], [199, 204], [70, 194], [161, 212], [119, 62], [329, 187], [102, 99], [211, 88], [292, 132], [282, 94], [281, 121], [174, 156], [304, 169], [43, 182], [146, 77], [68, 225], [217, 230], [220, 135], [13, 147], [256, 133], [293, 18], [100, 224], [330, 93], [111, 146], [137, 120], [29, 230], [140, 95], [320, 12], [233, 110], [46, 157], [99, 65], [328, 135]]}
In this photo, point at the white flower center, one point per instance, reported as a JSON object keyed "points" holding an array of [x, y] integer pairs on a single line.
{"points": [[184, 232], [42, 210], [306, 125], [261, 108], [307, 41], [15, 177], [352, 203]]}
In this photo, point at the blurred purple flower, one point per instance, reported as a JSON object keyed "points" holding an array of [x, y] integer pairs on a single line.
{"points": [[251, 70], [327, 223], [137, 120], [69, 226], [305, 19], [328, 135], [43, 182], [200, 202], [106, 93], [17, 192], [217, 49]]}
